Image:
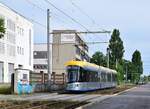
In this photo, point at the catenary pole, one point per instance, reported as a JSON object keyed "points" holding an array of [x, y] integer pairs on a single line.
{"points": [[48, 47]]}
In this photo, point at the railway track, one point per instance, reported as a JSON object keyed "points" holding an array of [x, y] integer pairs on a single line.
{"points": [[60, 103], [43, 105]]}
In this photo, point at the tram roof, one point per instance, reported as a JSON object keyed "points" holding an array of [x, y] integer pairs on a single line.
{"points": [[85, 64]]}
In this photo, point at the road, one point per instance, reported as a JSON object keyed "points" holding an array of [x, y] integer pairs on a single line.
{"points": [[137, 98]]}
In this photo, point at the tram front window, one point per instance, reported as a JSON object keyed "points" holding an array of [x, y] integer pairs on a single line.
{"points": [[72, 74]]}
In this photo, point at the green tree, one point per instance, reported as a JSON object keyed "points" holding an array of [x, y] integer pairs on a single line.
{"points": [[116, 48], [137, 62], [99, 58], [120, 72], [2, 27]]}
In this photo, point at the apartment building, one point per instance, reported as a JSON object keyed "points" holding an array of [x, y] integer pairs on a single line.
{"points": [[67, 46], [16, 47]]}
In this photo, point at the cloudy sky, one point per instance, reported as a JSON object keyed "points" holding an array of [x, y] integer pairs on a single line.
{"points": [[131, 17]]}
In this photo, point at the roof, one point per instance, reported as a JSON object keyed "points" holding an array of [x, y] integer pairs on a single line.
{"points": [[85, 64]]}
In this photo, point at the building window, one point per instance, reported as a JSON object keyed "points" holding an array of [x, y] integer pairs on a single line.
{"points": [[40, 66], [11, 37], [78, 50], [2, 48], [11, 25], [20, 50], [40, 54], [20, 31], [10, 50], [1, 72], [25, 76]]}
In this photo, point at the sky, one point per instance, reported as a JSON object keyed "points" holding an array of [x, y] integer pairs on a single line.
{"points": [[131, 17]]}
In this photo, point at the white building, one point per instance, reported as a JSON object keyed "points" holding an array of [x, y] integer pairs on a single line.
{"points": [[40, 57], [16, 47]]}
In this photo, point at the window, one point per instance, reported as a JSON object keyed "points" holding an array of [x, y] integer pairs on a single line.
{"points": [[72, 74], [40, 54], [88, 76], [109, 77], [40, 66], [2, 48], [11, 25], [20, 31], [11, 37], [20, 50], [1, 72], [103, 76], [11, 50], [25, 77], [78, 50]]}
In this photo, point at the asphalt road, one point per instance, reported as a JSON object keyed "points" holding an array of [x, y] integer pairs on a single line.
{"points": [[137, 98]]}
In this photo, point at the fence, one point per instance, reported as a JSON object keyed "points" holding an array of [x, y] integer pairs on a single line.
{"points": [[42, 78]]}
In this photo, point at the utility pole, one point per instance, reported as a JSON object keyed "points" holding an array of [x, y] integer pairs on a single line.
{"points": [[126, 73], [108, 57], [48, 47]]}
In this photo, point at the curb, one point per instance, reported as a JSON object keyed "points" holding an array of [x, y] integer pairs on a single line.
{"points": [[124, 91], [89, 105]]}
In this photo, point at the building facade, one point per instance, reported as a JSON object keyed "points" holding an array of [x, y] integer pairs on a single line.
{"points": [[40, 57], [16, 47], [67, 46]]}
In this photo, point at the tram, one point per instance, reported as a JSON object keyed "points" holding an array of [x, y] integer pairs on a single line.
{"points": [[85, 76]]}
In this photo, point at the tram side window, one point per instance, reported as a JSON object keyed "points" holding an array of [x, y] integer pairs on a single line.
{"points": [[88, 76], [109, 77], [114, 77], [84, 76], [103, 76]]}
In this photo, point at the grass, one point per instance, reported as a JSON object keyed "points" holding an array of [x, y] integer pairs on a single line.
{"points": [[5, 89]]}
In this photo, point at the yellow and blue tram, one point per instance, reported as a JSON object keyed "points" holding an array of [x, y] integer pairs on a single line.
{"points": [[84, 76]]}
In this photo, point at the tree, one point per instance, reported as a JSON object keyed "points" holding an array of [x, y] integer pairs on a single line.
{"points": [[2, 27], [128, 68], [137, 62], [116, 48], [120, 73], [99, 58]]}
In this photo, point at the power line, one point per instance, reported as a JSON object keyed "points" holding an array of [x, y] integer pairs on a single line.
{"points": [[47, 1], [43, 10], [82, 44], [34, 21], [33, 4], [83, 12]]}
